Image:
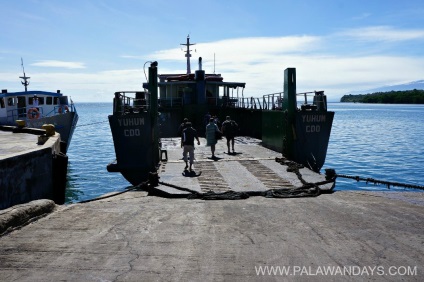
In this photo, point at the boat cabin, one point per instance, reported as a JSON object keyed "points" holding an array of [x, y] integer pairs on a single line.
{"points": [[30, 105]]}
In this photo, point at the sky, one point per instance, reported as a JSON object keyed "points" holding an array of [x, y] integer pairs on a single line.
{"points": [[91, 48]]}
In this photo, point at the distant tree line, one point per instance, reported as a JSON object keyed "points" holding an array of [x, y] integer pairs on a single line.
{"points": [[393, 97]]}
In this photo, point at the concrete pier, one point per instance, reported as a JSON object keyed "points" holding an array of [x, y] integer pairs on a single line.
{"points": [[133, 237], [353, 236], [28, 167]]}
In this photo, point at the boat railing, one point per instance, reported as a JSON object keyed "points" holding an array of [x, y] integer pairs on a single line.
{"points": [[31, 112], [61, 109], [319, 101], [137, 102], [273, 101], [24, 113], [312, 100]]}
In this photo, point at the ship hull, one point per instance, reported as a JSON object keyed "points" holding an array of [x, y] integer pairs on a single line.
{"points": [[312, 134], [132, 138]]}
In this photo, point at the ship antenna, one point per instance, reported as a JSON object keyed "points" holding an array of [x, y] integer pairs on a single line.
{"points": [[188, 55], [213, 63], [25, 78]]}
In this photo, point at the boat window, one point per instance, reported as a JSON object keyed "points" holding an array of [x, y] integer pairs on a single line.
{"points": [[21, 102], [2, 103], [49, 100], [11, 102], [56, 100], [40, 100]]}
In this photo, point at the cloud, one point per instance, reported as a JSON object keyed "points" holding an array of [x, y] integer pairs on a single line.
{"points": [[322, 63], [251, 47], [260, 62], [383, 33], [59, 64]]}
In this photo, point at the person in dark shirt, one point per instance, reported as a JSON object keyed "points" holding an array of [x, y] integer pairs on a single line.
{"points": [[182, 127], [187, 141], [229, 129]]}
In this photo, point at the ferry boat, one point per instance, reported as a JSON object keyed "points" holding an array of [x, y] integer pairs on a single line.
{"points": [[300, 130], [37, 108]]}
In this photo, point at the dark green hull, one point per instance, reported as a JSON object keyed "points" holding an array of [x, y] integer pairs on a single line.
{"points": [[301, 134], [133, 146]]}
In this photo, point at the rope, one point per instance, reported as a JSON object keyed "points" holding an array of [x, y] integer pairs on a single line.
{"points": [[376, 181], [91, 123], [307, 189]]}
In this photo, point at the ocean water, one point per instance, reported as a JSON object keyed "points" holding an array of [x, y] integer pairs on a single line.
{"points": [[384, 142], [91, 150], [379, 141]]}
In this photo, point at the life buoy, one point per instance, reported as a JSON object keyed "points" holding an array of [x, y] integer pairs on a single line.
{"points": [[33, 113]]}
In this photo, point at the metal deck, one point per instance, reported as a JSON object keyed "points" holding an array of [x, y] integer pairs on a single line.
{"points": [[252, 168]]}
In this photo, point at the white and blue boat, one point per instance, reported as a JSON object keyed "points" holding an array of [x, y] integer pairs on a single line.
{"points": [[37, 108]]}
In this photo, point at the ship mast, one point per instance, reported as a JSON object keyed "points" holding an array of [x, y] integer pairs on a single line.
{"points": [[188, 55], [25, 78]]}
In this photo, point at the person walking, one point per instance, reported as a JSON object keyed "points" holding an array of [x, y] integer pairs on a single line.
{"points": [[187, 141], [211, 130], [180, 131], [229, 130], [182, 127]]}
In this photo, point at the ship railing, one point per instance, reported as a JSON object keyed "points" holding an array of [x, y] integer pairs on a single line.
{"points": [[123, 103], [305, 96], [61, 109], [245, 103], [312, 100], [273, 101], [23, 113], [319, 100]]}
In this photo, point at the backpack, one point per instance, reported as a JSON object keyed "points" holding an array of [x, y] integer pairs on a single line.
{"points": [[230, 128]]}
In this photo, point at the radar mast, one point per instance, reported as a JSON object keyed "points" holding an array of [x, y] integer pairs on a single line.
{"points": [[25, 78], [188, 55]]}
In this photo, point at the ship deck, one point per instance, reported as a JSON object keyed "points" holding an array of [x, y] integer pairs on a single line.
{"points": [[252, 169]]}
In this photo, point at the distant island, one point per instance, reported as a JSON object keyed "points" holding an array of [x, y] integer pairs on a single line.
{"points": [[392, 97]]}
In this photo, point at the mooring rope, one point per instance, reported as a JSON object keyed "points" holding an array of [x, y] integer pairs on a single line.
{"points": [[310, 190], [376, 181], [91, 123], [306, 190]]}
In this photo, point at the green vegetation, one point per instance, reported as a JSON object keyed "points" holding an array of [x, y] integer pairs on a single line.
{"points": [[393, 97]]}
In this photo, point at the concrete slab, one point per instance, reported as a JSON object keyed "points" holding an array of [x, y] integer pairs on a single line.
{"points": [[13, 144], [30, 166], [131, 237]]}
